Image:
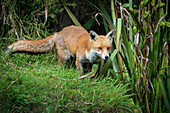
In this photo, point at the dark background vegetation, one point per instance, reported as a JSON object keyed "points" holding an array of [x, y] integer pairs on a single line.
{"points": [[58, 18]]}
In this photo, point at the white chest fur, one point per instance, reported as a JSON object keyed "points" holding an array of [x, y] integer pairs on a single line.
{"points": [[92, 56]]}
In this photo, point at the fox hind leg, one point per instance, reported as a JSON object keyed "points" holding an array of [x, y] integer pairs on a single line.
{"points": [[63, 55]]}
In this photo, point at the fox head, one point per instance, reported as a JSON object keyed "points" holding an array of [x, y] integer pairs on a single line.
{"points": [[101, 45]]}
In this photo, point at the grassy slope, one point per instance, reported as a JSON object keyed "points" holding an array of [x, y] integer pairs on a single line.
{"points": [[28, 84]]}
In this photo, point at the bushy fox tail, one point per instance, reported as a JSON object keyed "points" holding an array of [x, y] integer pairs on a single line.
{"points": [[32, 46]]}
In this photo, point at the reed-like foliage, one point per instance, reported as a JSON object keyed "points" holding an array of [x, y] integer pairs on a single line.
{"points": [[141, 42]]}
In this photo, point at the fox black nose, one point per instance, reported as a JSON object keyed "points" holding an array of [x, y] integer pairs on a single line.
{"points": [[106, 57]]}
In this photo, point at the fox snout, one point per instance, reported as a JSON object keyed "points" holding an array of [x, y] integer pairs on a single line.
{"points": [[105, 57]]}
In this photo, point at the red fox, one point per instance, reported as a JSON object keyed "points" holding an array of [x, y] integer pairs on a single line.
{"points": [[72, 41]]}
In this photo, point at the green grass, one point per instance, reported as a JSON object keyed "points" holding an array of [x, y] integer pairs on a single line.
{"points": [[28, 84]]}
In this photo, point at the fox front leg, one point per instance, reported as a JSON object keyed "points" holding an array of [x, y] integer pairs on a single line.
{"points": [[79, 65]]}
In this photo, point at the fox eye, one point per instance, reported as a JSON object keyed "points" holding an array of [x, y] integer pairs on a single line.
{"points": [[99, 47], [108, 48]]}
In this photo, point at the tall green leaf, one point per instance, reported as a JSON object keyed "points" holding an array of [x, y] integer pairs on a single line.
{"points": [[113, 13], [130, 23], [106, 14], [118, 33], [76, 22], [89, 24]]}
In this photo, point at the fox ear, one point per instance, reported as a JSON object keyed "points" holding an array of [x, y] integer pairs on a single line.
{"points": [[110, 34], [93, 35]]}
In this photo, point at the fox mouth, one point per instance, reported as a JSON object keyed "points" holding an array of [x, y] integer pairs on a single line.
{"points": [[104, 57]]}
